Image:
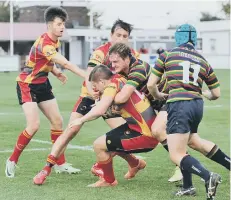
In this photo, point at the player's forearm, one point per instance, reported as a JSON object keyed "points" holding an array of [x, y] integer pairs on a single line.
{"points": [[95, 113], [55, 71], [121, 98], [75, 69], [210, 95], [153, 90]]}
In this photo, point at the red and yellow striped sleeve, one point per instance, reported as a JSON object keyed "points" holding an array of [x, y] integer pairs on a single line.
{"points": [[49, 51], [97, 58]]}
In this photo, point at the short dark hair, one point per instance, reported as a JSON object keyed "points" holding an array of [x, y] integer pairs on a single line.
{"points": [[160, 51], [124, 25], [100, 72], [52, 12], [121, 49]]}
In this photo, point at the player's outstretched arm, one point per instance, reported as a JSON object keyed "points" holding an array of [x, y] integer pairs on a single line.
{"points": [[58, 58]]}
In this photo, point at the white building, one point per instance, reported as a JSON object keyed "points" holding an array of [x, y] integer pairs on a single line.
{"points": [[78, 43], [216, 42], [213, 42]]}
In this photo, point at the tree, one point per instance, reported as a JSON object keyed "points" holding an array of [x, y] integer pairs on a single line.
{"points": [[226, 9], [208, 17], [5, 12], [96, 16]]}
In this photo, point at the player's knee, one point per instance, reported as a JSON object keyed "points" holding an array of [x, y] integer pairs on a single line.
{"points": [[192, 145], [195, 144], [159, 133], [57, 122], [99, 143], [32, 128], [155, 131]]}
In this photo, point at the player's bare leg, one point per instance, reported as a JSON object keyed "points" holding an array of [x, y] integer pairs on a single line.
{"points": [[210, 150], [31, 112], [134, 164], [104, 162], [159, 132], [57, 149], [51, 110]]}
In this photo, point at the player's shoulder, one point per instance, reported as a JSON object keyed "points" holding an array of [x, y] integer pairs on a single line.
{"points": [[118, 80], [140, 64], [101, 51], [45, 41], [104, 48]]}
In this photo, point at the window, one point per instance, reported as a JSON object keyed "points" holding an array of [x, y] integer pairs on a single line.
{"points": [[213, 45], [199, 44]]}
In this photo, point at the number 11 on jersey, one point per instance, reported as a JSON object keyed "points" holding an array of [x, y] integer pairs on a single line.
{"points": [[196, 70]]}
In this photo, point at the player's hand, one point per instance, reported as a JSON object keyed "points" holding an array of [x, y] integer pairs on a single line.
{"points": [[207, 94], [76, 122], [115, 109], [161, 96], [62, 77]]}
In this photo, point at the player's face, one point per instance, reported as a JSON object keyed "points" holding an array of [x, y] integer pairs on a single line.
{"points": [[57, 27], [119, 35], [98, 86], [119, 64]]}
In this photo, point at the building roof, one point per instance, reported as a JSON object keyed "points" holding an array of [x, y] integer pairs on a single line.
{"points": [[24, 31]]}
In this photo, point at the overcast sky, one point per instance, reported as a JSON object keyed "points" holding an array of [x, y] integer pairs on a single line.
{"points": [[145, 14]]}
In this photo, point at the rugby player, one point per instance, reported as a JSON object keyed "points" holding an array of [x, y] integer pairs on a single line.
{"points": [[186, 70], [132, 137], [35, 92]]}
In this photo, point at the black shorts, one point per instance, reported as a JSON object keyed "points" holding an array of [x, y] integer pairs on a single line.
{"points": [[123, 139], [84, 105], [34, 92], [184, 116]]}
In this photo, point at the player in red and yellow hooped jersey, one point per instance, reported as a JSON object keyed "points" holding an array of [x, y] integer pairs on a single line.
{"points": [[34, 89], [120, 32], [134, 136]]}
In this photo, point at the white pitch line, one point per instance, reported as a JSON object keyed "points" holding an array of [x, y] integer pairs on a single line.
{"points": [[69, 146], [214, 106], [34, 149]]}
